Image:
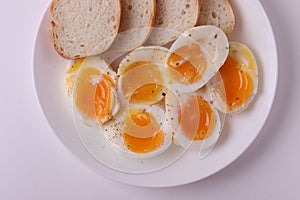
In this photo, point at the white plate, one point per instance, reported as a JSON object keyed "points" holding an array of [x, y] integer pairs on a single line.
{"points": [[252, 28]]}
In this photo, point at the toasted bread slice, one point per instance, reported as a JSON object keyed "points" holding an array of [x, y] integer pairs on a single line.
{"points": [[218, 13], [172, 18], [136, 21], [84, 28]]}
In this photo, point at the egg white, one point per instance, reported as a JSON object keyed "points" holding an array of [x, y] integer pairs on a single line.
{"points": [[151, 54], [173, 107], [99, 64], [213, 43], [216, 86], [73, 67]]}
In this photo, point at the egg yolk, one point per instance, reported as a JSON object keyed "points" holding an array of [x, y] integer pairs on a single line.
{"points": [[197, 123], [146, 93], [238, 84], [140, 124], [189, 62], [92, 97], [103, 98], [142, 145], [141, 119], [147, 88]]}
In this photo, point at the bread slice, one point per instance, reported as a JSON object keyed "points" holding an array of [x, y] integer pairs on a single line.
{"points": [[136, 21], [218, 13], [172, 18], [84, 28]]}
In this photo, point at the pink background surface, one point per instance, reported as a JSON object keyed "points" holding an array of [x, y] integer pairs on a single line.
{"points": [[35, 164]]}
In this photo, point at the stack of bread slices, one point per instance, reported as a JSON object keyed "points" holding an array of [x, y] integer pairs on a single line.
{"points": [[86, 28]]}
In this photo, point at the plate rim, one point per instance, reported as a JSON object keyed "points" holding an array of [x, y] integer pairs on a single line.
{"points": [[232, 160]]}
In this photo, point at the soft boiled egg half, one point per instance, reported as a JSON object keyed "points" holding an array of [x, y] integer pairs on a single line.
{"points": [[94, 94], [141, 80], [139, 131], [236, 85], [195, 57], [193, 119]]}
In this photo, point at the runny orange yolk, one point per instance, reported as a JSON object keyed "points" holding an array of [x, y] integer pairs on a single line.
{"points": [[147, 92], [238, 84], [189, 62], [141, 119], [93, 100], [143, 145], [201, 126], [103, 98]]}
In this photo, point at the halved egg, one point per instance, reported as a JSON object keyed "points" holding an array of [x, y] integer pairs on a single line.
{"points": [[195, 57], [193, 119], [139, 131], [141, 80], [236, 85], [94, 95]]}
